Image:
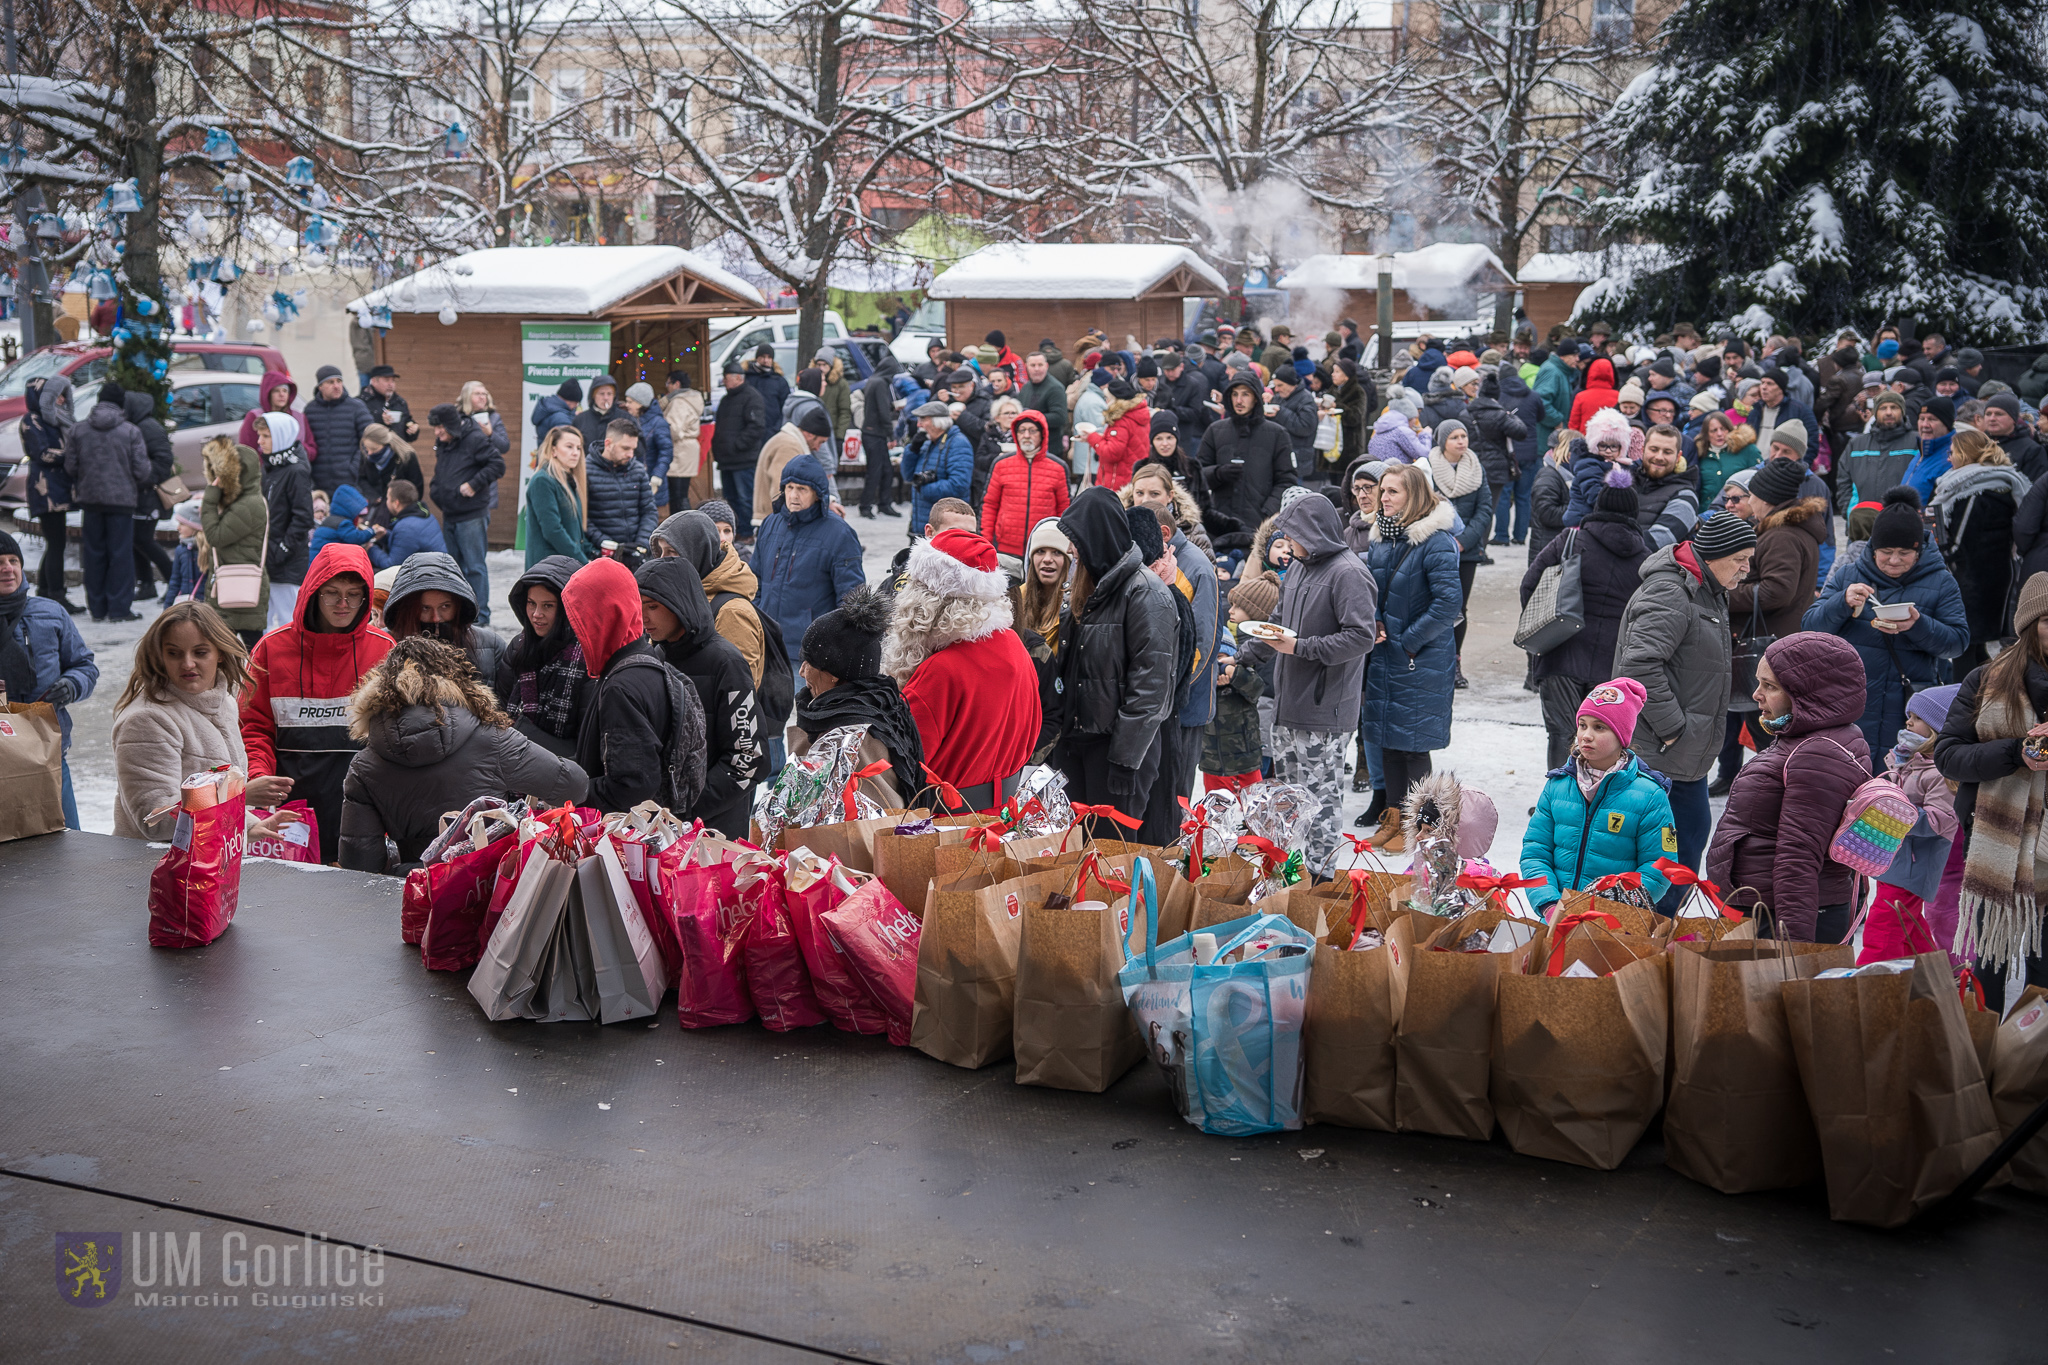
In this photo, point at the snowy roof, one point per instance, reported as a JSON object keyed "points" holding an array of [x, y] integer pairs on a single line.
{"points": [[1058, 270], [577, 280], [1438, 266], [1561, 267]]}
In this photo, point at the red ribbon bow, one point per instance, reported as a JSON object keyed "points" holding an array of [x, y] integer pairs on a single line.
{"points": [[948, 793], [1361, 888], [875, 769], [1195, 825], [1091, 866], [1359, 842], [1271, 853], [566, 824], [1678, 874], [1968, 983], [1110, 813], [1632, 880], [1561, 931], [989, 837], [1496, 888]]}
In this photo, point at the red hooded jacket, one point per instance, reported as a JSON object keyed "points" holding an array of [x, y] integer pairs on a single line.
{"points": [[1599, 393], [1023, 491], [1123, 442], [295, 705], [271, 380]]}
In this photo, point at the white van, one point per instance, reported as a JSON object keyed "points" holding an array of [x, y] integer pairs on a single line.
{"points": [[736, 338]]}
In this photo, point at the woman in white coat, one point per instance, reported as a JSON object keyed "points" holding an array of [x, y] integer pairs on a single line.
{"points": [[177, 717]]}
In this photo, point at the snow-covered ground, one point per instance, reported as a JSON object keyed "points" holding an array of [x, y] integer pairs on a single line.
{"points": [[1496, 735]]}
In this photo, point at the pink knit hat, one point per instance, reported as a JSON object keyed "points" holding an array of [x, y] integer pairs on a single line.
{"points": [[1616, 705]]}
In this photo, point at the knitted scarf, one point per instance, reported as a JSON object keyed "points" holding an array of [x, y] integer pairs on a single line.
{"points": [[1391, 528], [2007, 862], [1454, 481]]}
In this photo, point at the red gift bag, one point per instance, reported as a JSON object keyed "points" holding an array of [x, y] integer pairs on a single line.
{"points": [[458, 894], [194, 886], [709, 921], [811, 886], [413, 906], [777, 979], [299, 843], [879, 938]]}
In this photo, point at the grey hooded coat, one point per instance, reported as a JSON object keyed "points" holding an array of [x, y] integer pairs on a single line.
{"points": [[1329, 600]]}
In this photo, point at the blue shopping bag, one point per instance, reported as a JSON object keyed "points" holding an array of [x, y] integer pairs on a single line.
{"points": [[1227, 1034]]}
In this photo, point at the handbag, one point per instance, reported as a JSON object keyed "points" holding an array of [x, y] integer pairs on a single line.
{"points": [[1747, 654], [240, 586], [1557, 608], [172, 491]]}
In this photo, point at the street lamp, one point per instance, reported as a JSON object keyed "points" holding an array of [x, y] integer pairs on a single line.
{"points": [[1384, 264]]}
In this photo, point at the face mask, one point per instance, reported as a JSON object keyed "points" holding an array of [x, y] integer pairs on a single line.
{"points": [[438, 630], [1911, 742], [1775, 725]]}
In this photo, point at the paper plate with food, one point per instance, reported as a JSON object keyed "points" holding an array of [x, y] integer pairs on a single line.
{"points": [[1265, 630]]}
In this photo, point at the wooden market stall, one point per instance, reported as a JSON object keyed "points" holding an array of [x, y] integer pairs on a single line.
{"points": [[1441, 282], [1060, 290], [462, 319], [1551, 284]]}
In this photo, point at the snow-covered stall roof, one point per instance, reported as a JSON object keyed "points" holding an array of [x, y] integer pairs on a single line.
{"points": [[576, 280], [1060, 270], [1437, 267], [1561, 267]]}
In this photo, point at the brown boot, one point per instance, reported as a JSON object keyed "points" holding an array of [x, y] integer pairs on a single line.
{"points": [[1389, 837]]}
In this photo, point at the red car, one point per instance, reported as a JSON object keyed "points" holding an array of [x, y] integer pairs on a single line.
{"points": [[86, 362]]}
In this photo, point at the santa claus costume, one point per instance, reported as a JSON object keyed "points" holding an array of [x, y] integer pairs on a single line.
{"points": [[965, 673]]}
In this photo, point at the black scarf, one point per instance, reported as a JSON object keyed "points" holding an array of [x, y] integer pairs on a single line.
{"points": [[1391, 529], [878, 704], [17, 665]]}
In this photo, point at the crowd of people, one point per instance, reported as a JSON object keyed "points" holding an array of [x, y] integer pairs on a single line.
{"points": [[1197, 565]]}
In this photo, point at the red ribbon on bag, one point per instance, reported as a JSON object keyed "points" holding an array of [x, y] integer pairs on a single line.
{"points": [[1560, 931], [948, 793], [1678, 874], [1110, 813], [1361, 887], [1359, 842], [1091, 866], [1968, 982], [1496, 888], [989, 837], [566, 825], [875, 769], [1632, 880], [1271, 853], [1196, 825]]}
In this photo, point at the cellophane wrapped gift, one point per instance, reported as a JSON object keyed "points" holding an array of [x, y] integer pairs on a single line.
{"points": [[808, 791]]}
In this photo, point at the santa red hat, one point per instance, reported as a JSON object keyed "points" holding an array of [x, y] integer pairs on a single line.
{"points": [[957, 563]]}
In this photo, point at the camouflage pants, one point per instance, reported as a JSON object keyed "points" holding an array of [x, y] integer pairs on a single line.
{"points": [[1316, 760]]}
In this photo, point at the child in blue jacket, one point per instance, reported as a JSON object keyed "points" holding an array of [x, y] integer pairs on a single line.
{"points": [[347, 520], [1602, 812]]}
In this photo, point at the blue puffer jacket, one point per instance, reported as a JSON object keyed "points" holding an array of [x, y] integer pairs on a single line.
{"points": [[58, 651], [807, 561], [621, 503], [347, 504], [952, 460], [549, 410], [657, 444], [1891, 661], [1627, 827], [412, 532], [1408, 678]]}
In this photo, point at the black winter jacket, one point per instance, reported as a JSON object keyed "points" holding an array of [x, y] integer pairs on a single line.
{"points": [[1519, 399], [878, 408], [1611, 553], [1187, 399], [288, 488], [740, 426], [1116, 661], [734, 757], [592, 423], [337, 431], [1249, 461], [471, 459], [156, 442], [1495, 430], [1966, 760], [105, 459], [623, 740]]}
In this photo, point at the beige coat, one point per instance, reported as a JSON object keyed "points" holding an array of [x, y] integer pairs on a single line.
{"points": [[684, 410], [158, 744], [784, 446]]}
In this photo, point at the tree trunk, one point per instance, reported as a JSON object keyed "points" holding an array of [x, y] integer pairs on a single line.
{"points": [[810, 322], [821, 234], [142, 149]]}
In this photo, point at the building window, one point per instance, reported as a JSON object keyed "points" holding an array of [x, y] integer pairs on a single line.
{"points": [[1614, 21], [1009, 120], [1570, 237], [316, 90]]}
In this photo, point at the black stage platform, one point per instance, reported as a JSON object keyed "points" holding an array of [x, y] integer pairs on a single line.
{"points": [[749, 1196]]}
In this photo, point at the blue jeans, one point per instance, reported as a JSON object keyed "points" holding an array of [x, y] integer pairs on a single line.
{"points": [[108, 558], [70, 800], [1374, 768], [1516, 496], [1694, 819], [468, 543], [739, 491]]}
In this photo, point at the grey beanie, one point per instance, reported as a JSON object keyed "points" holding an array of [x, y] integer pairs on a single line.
{"points": [[642, 393]]}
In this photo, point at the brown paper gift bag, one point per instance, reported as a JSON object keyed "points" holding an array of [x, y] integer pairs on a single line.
{"points": [[966, 1001], [31, 771], [1073, 1029], [850, 841], [1354, 1012], [1893, 1084], [906, 863], [1443, 1048], [2019, 1082], [1736, 1118], [1578, 1062]]}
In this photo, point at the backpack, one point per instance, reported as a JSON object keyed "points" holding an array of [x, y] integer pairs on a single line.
{"points": [[1875, 822], [777, 691], [683, 750]]}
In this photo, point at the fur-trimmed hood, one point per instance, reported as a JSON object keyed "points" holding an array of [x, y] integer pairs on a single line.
{"points": [[1439, 518], [414, 717], [1798, 512], [1117, 407]]}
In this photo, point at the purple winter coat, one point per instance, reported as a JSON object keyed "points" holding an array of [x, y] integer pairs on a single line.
{"points": [[1772, 842]]}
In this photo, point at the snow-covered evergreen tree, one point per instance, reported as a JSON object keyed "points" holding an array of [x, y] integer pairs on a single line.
{"points": [[1840, 162]]}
